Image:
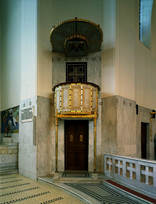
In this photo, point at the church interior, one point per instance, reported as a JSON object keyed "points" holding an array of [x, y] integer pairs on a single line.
{"points": [[77, 93]]}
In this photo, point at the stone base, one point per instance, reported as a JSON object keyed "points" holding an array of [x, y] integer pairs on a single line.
{"points": [[57, 175], [94, 176], [7, 140]]}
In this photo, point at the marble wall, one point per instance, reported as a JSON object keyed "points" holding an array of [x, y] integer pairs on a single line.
{"points": [[27, 150], [126, 126], [121, 127], [93, 67], [118, 122], [45, 136]]}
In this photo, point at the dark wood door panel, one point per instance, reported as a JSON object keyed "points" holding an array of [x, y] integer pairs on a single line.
{"points": [[144, 130], [76, 145]]}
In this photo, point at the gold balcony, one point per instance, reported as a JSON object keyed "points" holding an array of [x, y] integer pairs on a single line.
{"points": [[76, 100]]}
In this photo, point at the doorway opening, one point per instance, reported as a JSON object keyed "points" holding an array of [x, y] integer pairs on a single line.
{"points": [[144, 140], [76, 145]]}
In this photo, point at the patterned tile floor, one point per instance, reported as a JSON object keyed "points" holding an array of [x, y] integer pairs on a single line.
{"points": [[18, 189], [99, 191], [105, 193]]}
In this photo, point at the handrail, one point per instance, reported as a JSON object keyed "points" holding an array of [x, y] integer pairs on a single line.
{"points": [[65, 83]]}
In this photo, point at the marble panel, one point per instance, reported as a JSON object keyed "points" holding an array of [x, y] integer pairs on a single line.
{"points": [[27, 150], [109, 125], [45, 130], [126, 126], [61, 151], [91, 147], [118, 126]]}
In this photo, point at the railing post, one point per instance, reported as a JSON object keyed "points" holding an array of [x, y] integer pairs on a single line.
{"points": [[154, 176]]}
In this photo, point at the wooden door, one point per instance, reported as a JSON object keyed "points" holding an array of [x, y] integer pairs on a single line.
{"points": [[76, 145], [144, 130]]}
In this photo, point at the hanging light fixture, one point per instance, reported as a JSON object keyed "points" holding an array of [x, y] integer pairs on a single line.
{"points": [[76, 38]]}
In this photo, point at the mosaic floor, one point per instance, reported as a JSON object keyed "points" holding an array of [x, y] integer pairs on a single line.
{"points": [[105, 193], [18, 189]]}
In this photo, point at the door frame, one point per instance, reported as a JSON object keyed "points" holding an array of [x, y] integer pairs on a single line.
{"points": [[65, 140], [144, 141]]}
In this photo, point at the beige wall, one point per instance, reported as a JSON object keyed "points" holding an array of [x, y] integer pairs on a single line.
{"points": [[145, 70], [134, 63], [108, 72], [153, 38], [125, 48], [53, 12]]}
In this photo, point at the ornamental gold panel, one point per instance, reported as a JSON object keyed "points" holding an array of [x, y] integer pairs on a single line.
{"points": [[76, 99]]}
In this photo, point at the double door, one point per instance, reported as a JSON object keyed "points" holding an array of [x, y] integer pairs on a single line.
{"points": [[76, 145]]}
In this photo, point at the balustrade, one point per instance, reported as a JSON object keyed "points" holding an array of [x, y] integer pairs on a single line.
{"points": [[137, 172]]}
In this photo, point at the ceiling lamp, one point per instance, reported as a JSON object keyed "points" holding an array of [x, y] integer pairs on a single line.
{"points": [[76, 38]]}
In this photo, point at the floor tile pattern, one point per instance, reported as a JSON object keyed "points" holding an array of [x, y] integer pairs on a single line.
{"points": [[17, 185], [103, 193], [27, 191], [12, 181], [20, 191]]}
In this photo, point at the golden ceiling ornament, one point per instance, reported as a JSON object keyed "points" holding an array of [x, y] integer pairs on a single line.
{"points": [[76, 37]]}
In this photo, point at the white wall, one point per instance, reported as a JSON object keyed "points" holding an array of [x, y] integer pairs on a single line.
{"points": [[27, 147], [28, 48], [19, 70], [19, 45], [11, 53], [108, 53], [108, 23]]}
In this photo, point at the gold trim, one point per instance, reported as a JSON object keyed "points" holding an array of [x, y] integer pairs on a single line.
{"points": [[94, 144], [56, 145], [76, 116], [79, 112], [75, 36]]}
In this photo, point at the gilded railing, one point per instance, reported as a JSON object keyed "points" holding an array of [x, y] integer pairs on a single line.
{"points": [[76, 99]]}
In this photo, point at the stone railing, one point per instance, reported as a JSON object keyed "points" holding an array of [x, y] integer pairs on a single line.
{"points": [[137, 172]]}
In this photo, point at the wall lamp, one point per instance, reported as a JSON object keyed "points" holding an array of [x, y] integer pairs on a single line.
{"points": [[153, 113]]}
